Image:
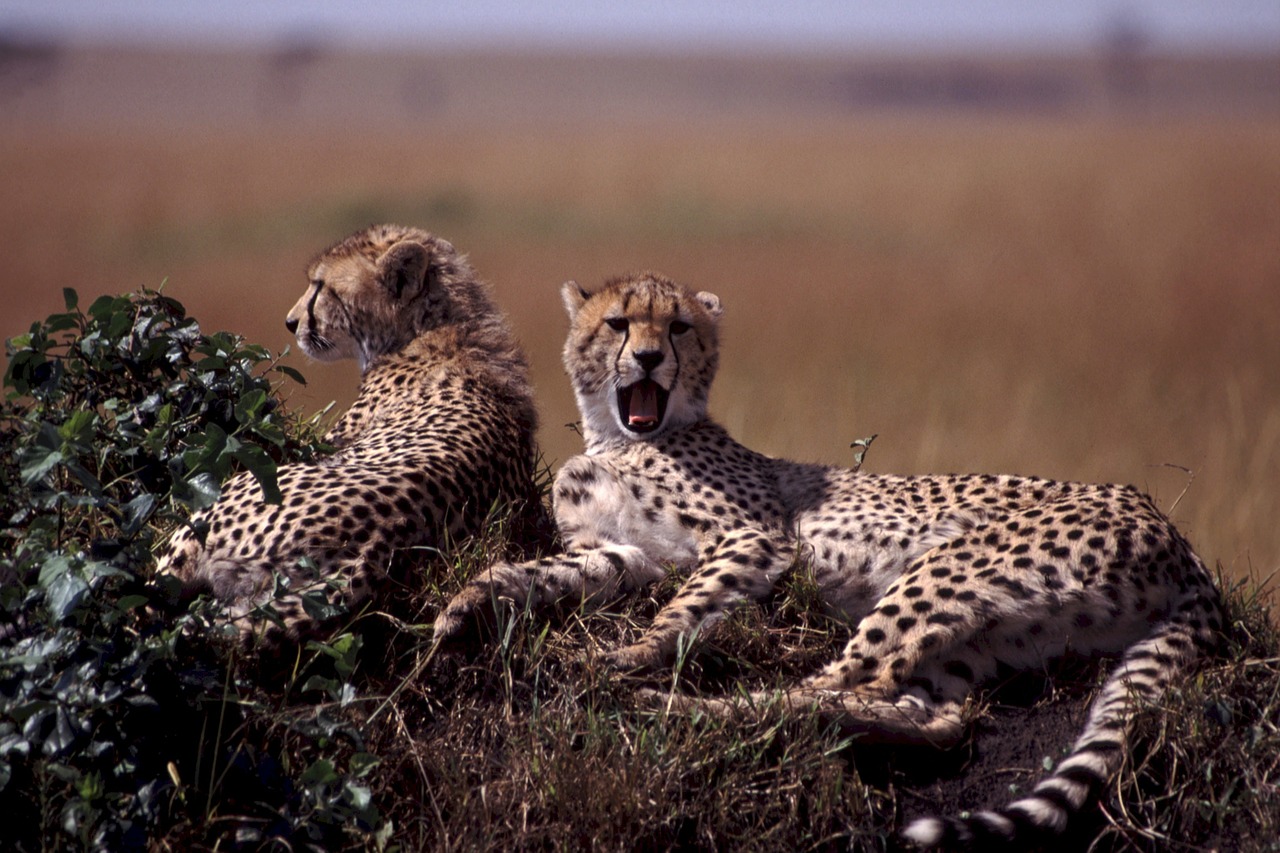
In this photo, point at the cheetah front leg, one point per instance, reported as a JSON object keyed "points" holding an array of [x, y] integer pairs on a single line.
{"points": [[588, 576], [742, 565], [908, 719]]}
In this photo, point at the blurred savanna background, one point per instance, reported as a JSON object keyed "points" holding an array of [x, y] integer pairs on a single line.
{"points": [[1018, 240]]}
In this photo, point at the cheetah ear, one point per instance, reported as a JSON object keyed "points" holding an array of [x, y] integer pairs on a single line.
{"points": [[574, 297], [711, 303], [403, 268]]}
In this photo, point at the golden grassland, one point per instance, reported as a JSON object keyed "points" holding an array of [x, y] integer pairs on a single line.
{"points": [[1091, 298]]}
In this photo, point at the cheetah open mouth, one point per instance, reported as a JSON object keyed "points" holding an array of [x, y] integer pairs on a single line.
{"points": [[642, 405]]}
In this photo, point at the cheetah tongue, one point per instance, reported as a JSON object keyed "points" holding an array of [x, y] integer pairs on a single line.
{"points": [[643, 411]]}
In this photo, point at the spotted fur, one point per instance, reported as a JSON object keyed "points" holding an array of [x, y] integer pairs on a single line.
{"points": [[942, 577], [439, 437]]}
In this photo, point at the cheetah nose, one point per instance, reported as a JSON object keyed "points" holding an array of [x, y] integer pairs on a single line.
{"points": [[649, 359], [291, 324]]}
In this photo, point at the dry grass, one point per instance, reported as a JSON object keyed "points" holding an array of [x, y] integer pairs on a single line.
{"points": [[534, 744]]}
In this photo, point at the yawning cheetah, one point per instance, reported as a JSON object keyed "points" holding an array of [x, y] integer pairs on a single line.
{"points": [[943, 578]]}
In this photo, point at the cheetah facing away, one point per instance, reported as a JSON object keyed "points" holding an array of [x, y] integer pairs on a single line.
{"points": [[440, 436], [943, 578]]}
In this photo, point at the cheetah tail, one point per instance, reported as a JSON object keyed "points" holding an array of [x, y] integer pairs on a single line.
{"points": [[1140, 678]]}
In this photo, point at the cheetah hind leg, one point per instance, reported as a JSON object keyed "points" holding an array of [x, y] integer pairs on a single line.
{"points": [[276, 605], [908, 719]]}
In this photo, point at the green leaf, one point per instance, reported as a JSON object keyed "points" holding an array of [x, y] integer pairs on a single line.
{"points": [[320, 772], [382, 838], [320, 608], [20, 374], [213, 362], [84, 477], [291, 373], [198, 492], [250, 405], [61, 322], [348, 648], [67, 774], [102, 307], [62, 736], [362, 762], [90, 787], [136, 512], [863, 445], [207, 448], [253, 352], [54, 568], [24, 714], [121, 322], [263, 469], [345, 648], [270, 432], [70, 297], [78, 429], [319, 682], [156, 439], [94, 569], [358, 796], [14, 743], [35, 463], [65, 594]]}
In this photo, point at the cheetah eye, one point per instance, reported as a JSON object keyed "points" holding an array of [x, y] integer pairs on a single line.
{"points": [[618, 324], [679, 327], [317, 283]]}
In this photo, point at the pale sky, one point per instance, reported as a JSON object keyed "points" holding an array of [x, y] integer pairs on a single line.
{"points": [[782, 24]]}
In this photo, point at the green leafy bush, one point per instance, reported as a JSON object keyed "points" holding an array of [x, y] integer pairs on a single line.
{"points": [[117, 719]]}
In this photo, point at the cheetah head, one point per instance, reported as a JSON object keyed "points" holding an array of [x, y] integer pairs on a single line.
{"points": [[642, 353], [374, 292]]}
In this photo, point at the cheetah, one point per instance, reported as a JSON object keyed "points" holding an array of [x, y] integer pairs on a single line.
{"points": [[439, 437], [942, 578]]}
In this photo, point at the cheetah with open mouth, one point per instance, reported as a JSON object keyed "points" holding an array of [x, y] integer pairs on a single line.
{"points": [[943, 578]]}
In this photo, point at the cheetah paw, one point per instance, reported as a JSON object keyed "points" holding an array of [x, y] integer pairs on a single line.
{"points": [[468, 618], [634, 657]]}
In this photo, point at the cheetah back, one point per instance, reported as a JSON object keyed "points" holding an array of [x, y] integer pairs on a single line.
{"points": [[439, 438]]}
